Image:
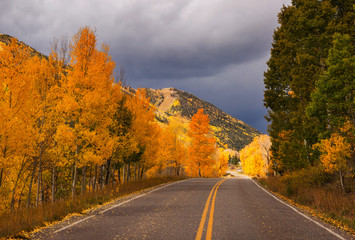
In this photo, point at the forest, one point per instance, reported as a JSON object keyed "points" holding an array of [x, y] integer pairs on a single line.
{"points": [[310, 98], [69, 127], [310, 88]]}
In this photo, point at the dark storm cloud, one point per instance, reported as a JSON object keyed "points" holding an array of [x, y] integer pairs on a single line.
{"points": [[234, 90], [215, 49]]}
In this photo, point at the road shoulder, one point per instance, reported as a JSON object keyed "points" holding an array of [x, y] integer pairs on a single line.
{"points": [[76, 218], [336, 231]]}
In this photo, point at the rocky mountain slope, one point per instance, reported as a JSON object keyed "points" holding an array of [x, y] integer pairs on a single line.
{"points": [[230, 132]]}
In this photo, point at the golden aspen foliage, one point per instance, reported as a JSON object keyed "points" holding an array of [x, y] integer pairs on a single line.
{"points": [[335, 155], [164, 153], [145, 130], [15, 119], [255, 156], [90, 99], [65, 123], [200, 162], [14, 100], [177, 132], [63, 119], [221, 165], [171, 151]]}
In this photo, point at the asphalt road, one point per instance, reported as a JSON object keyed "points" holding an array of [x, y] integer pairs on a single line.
{"points": [[233, 208]]}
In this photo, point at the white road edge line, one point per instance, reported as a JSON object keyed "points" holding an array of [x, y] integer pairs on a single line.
{"points": [[294, 209], [117, 205], [74, 223], [142, 195]]}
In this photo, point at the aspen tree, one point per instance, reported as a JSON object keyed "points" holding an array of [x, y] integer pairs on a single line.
{"points": [[202, 146]]}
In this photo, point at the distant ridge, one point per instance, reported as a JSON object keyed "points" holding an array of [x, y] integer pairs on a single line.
{"points": [[230, 132]]}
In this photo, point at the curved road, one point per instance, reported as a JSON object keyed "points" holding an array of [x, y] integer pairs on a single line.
{"points": [[233, 208]]}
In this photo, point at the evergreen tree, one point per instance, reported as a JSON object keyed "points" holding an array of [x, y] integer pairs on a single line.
{"points": [[333, 100], [295, 63]]}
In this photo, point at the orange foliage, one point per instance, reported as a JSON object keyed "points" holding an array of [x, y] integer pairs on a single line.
{"points": [[89, 98], [60, 118], [200, 161], [145, 130]]}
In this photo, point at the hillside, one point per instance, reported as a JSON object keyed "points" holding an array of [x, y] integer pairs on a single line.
{"points": [[6, 39], [230, 132]]}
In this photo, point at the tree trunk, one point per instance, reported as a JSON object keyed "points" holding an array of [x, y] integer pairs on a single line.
{"points": [[53, 184], [341, 180], [142, 172], [112, 174], [39, 183], [108, 171], [12, 204], [135, 171], [101, 176], [128, 171], [83, 180], [31, 182], [90, 179], [74, 181], [119, 174], [21, 193], [1, 174], [124, 173], [94, 181]]}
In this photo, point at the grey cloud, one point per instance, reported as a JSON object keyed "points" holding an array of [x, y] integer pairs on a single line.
{"points": [[237, 90], [215, 49]]}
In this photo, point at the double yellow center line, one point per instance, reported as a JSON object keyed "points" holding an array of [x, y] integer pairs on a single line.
{"points": [[204, 214]]}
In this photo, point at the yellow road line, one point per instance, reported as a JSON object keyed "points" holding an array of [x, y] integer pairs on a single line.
{"points": [[210, 219], [204, 214]]}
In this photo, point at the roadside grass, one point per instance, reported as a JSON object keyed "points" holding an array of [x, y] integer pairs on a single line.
{"points": [[324, 200], [17, 223]]}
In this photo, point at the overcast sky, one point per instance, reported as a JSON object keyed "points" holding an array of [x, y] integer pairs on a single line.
{"points": [[214, 49]]}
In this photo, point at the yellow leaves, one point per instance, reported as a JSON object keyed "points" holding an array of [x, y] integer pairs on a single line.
{"points": [[221, 165], [90, 158], [254, 157], [176, 103], [335, 152], [15, 100], [144, 126]]}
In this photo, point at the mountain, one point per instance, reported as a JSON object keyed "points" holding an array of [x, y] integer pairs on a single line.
{"points": [[230, 132]]}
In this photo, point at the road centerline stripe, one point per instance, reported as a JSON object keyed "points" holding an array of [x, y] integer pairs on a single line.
{"points": [[210, 219], [204, 214]]}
